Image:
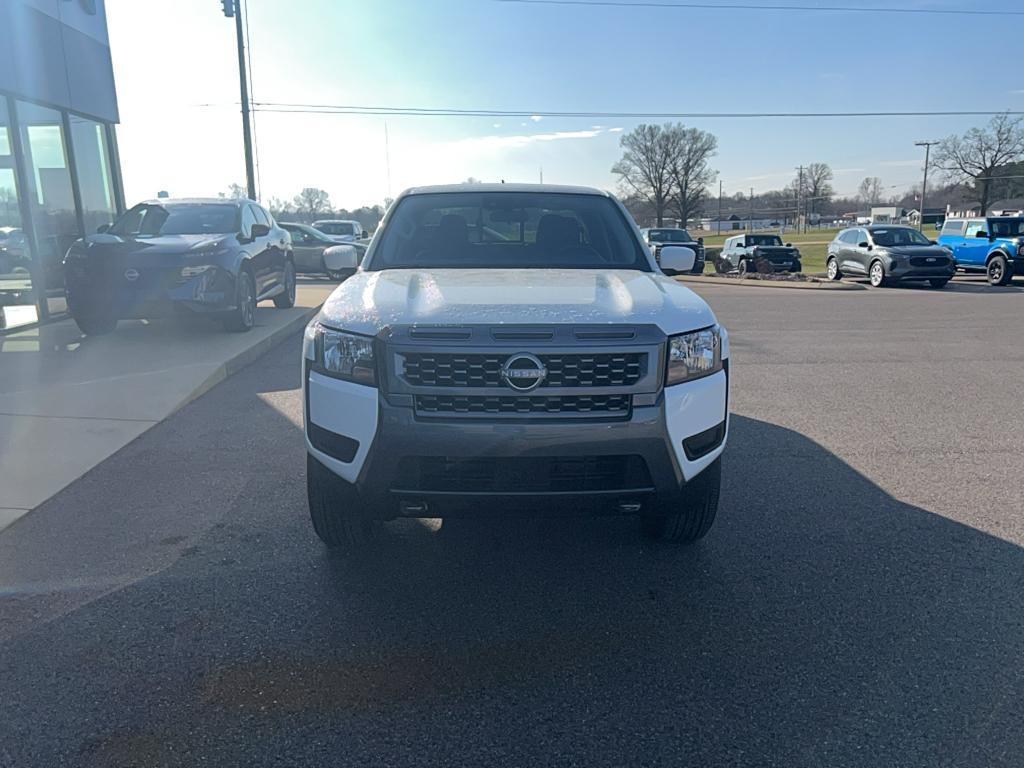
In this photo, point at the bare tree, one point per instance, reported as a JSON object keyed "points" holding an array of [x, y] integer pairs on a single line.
{"points": [[816, 190], [312, 202], [235, 192], [279, 208], [978, 154], [645, 169], [689, 170], [870, 190], [817, 177]]}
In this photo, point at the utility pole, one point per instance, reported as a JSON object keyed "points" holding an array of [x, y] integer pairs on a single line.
{"points": [[924, 183], [799, 198], [750, 217], [234, 8], [719, 206]]}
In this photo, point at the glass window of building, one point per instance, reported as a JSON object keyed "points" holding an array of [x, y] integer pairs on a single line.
{"points": [[17, 301], [92, 164], [49, 195]]}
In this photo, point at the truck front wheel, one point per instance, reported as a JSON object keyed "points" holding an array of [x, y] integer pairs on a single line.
{"points": [[999, 270], [336, 510], [690, 515]]}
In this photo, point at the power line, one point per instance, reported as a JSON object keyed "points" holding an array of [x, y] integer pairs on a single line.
{"points": [[784, 8], [360, 109]]}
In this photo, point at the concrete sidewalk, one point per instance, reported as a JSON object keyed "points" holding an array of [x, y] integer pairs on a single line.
{"points": [[67, 401]]}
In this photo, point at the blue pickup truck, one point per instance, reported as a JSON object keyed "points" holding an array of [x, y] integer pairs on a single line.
{"points": [[994, 245]]}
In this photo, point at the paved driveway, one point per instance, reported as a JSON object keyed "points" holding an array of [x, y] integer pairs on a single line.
{"points": [[859, 603]]}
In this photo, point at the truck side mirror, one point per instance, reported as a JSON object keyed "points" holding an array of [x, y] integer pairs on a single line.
{"points": [[981, 233], [341, 258], [677, 258]]}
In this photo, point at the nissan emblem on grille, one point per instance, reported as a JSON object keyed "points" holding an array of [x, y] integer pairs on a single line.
{"points": [[523, 372]]}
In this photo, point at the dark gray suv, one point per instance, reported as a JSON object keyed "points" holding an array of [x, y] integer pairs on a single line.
{"points": [[887, 254]]}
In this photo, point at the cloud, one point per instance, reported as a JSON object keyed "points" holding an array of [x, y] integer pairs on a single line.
{"points": [[536, 118], [614, 130], [848, 170], [496, 125], [901, 163], [766, 176], [522, 140], [1017, 91]]}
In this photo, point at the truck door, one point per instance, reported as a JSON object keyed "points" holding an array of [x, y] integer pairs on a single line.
{"points": [[975, 247]]}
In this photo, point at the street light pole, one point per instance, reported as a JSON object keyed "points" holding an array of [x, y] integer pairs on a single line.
{"points": [[719, 206], [234, 8], [924, 183]]}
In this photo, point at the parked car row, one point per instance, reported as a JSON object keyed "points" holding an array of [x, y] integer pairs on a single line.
{"points": [[201, 256], [886, 254]]}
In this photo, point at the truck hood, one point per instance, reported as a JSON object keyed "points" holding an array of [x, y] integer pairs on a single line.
{"points": [[368, 302]]}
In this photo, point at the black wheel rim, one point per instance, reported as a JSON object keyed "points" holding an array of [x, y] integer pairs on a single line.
{"points": [[995, 271], [248, 305]]}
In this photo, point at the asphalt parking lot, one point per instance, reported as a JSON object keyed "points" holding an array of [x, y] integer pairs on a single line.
{"points": [[860, 601]]}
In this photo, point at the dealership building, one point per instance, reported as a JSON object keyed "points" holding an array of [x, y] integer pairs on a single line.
{"points": [[59, 171]]}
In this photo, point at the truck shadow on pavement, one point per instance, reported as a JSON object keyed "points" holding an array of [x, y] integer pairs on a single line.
{"points": [[821, 623]]}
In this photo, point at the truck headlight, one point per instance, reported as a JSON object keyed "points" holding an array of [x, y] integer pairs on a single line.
{"points": [[340, 355], [694, 355]]}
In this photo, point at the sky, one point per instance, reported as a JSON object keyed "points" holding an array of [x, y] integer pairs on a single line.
{"points": [[175, 66]]}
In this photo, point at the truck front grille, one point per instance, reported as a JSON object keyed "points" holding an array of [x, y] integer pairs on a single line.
{"points": [[524, 405], [442, 369], [522, 474]]}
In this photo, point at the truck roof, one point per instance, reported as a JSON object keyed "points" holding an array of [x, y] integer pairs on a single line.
{"points": [[552, 188]]}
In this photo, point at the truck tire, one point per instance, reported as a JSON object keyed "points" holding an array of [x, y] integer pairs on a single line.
{"points": [[693, 511], [998, 270], [336, 509], [744, 266]]}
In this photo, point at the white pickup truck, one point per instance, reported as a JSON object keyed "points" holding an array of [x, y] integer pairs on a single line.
{"points": [[509, 349]]}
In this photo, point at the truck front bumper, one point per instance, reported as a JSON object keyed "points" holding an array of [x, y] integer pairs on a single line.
{"points": [[404, 464]]}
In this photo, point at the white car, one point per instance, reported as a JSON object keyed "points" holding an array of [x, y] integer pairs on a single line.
{"points": [[342, 230], [509, 348]]}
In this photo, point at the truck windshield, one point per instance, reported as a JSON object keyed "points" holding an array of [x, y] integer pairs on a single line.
{"points": [[899, 236], [508, 230], [336, 227], [1008, 227], [764, 240], [669, 236]]}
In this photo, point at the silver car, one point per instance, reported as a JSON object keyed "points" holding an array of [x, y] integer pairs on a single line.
{"points": [[309, 245]]}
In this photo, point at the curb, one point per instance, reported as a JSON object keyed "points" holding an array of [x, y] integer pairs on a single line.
{"points": [[808, 286], [248, 355]]}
